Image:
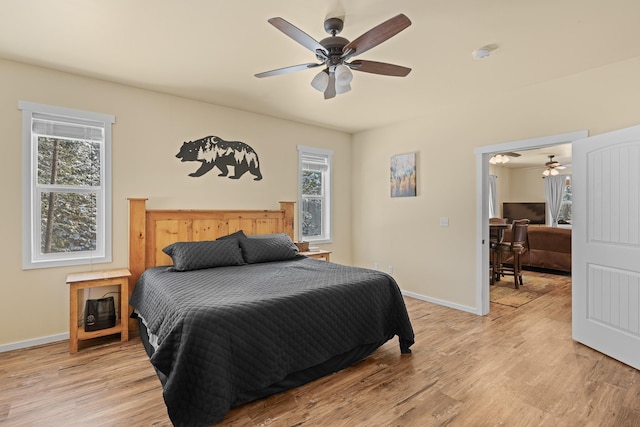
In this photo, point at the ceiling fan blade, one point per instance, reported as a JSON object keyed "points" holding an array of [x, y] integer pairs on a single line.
{"points": [[379, 68], [377, 35], [287, 70], [296, 34], [330, 92], [511, 154]]}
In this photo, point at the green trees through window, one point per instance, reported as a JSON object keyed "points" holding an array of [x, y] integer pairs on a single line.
{"points": [[315, 194], [312, 203], [68, 218]]}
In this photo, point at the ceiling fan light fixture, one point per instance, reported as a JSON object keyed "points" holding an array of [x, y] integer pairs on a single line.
{"points": [[320, 81], [498, 159], [340, 89], [552, 167], [550, 172], [343, 75]]}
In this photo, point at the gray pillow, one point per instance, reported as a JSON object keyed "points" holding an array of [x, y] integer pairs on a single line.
{"points": [[188, 256], [237, 235], [268, 248]]}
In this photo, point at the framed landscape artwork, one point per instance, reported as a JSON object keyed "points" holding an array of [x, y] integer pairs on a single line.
{"points": [[403, 175]]}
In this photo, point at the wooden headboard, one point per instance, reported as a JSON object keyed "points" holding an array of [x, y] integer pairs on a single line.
{"points": [[152, 230]]}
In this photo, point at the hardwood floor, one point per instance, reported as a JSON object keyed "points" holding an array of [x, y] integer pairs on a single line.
{"points": [[514, 367]]}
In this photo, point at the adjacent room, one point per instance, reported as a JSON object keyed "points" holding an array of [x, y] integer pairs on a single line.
{"points": [[356, 218], [532, 184]]}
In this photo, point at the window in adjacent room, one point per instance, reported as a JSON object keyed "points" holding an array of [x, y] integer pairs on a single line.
{"points": [[66, 186], [315, 194], [565, 208]]}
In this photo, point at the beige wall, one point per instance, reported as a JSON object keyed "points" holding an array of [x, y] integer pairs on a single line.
{"points": [[518, 185], [439, 262], [149, 130]]}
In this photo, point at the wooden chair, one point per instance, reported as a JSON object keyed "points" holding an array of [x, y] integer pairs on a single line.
{"points": [[514, 248]]}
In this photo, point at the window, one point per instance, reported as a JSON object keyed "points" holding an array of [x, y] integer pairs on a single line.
{"points": [[565, 208], [315, 194], [66, 186]]}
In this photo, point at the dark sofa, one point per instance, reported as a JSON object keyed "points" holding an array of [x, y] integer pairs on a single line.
{"points": [[549, 248]]}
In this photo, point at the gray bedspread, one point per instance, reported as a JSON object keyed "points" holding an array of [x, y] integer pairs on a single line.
{"points": [[230, 330]]}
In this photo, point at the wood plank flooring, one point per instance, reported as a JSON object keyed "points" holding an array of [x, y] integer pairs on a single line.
{"points": [[515, 367]]}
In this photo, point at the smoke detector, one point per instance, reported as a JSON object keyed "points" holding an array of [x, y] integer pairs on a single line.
{"points": [[484, 51]]}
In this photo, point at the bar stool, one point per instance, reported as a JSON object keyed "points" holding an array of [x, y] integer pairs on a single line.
{"points": [[514, 248], [496, 234]]}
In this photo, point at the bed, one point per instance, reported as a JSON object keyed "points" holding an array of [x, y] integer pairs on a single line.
{"points": [[229, 312]]}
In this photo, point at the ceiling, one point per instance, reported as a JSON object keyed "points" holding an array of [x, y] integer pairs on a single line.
{"points": [[209, 50]]}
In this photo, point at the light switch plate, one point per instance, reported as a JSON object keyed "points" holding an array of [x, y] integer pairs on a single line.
{"points": [[444, 222]]}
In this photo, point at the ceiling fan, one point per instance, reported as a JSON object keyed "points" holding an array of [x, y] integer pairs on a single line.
{"points": [[501, 158], [335, 53], [552, 167]]}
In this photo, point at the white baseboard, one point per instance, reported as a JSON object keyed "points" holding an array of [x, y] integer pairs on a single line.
{"points": [[449, 304], [33, 342]]}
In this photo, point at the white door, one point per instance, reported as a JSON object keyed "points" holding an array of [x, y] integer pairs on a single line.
{"points": [[606, 243]]}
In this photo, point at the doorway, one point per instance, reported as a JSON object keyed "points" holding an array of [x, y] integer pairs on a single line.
{"points": [[482, 207]]}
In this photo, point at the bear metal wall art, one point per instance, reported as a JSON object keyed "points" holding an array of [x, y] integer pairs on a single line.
{"points": [[212, 152]]}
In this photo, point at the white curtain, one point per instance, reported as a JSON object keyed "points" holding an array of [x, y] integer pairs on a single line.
{"points": [[554, 190], [493, 197]]}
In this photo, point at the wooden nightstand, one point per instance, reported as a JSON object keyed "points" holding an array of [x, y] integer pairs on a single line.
{"points": [[95, 279], [321, 254]]}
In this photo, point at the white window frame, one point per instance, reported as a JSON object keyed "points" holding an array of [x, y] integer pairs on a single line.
{"points": [[324, 157], [31, 221]]}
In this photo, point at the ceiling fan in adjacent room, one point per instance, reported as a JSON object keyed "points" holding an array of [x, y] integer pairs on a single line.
{"points": [[502, 158], [552, 167], [335, 53]]}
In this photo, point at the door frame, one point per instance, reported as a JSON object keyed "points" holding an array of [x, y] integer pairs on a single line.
{"points": [[482, 203]]}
